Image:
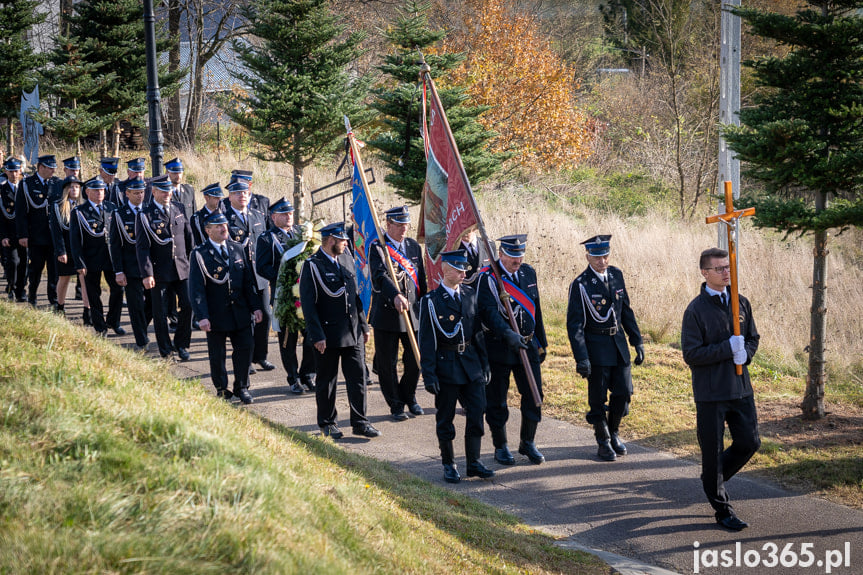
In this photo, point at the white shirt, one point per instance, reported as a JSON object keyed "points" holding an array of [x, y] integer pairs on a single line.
{"points": [[453, 292], [712, 291], [602, 276]]}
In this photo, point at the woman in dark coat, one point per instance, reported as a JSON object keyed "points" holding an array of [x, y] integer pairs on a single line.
{"points": [[58, 218]]}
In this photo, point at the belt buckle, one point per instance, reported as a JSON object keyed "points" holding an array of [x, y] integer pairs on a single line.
{"points": [[612, 330], [461, 347]]}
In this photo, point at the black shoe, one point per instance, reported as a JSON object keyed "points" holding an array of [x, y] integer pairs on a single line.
{"points": [[416, 409], [529, 448], [266, 365], [366, 430], [252, 370], [297, 388], [333, 431], [400, 416], [103, 334], [617, 445], [225, 394], [172, 328], [605, 452], [183, 353], [477, 469], [309, 385], [504, 456], [450, 473], [85, 317], [244, 396], [119, 330], [733, 523], [20, 298]]}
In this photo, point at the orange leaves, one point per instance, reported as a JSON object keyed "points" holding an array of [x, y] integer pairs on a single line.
{"points": [[512, 67]]}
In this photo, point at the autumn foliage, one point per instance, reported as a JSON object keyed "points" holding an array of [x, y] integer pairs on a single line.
{"points": [[511, 66]]}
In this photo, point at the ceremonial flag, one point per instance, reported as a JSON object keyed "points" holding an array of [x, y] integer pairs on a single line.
{"points": [[364, 233], [447, 210]]}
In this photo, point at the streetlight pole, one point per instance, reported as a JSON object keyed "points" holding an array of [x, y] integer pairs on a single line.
{"points": [[154, 97]]}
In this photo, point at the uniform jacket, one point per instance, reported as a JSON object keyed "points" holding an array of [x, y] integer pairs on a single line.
{"points": [[495, 321], [122, 241], [268, 253], [597, 317], [185, 194], [114, 195], [384, 315], [8, 205], [706, 350], [60, 231], [199, 234], [223, 291], [163, 243], [445, 326], [31, 215], [88, 237], [246, 234], [331, 303], [474, 263], [256, 202]]}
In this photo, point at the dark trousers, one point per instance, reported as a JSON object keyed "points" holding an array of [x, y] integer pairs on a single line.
{"points": [[183, 335], [397, 393], [93, 283], [327, 379], [719, 464], [612, 383], [497, 411], [303, 370], [241, 356], [41, 257], [262, 330], [140, 308], [15, 262], [471, 396]]}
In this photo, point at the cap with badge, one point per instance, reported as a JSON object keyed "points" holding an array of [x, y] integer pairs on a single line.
{"points": [[163, 186], [109, 165], [73, 163], [282, 206], [214, 190], [137, 165], [244, 175], [456, 259], [12, 164], [513, 246], [174, 166], [136, 184], [336, 230], [399, 215], [238, 186], [598, 245], [48, 160], [215, 219], [96, 183]]}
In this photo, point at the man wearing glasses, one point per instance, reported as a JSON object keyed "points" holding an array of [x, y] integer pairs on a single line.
{"points": [[712, 352]]}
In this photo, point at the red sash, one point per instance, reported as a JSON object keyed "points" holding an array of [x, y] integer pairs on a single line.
{"points": [[517, 294], [404, 263]]}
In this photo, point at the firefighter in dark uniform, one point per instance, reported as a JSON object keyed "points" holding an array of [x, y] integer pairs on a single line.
{"points": [[164, 241], [213, 194], [14, 255], [503, 347], [182, 193], [336, 325], [256, 201], [391, 298], [245, 225], [122, 241], [268, 253], [108, 173], [88, 225], [71, 169], [224, 299], [454, 364], [597, 317], [476, 258], [134, 169], [32, 227]]}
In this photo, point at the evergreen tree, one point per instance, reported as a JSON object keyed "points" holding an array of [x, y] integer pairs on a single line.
{"points": [[20, 63], [398, 102], [297, 82], [803, 139]]}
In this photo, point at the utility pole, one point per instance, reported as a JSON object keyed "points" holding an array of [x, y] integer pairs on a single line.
{"points": [[729, 103], [154, 108]]}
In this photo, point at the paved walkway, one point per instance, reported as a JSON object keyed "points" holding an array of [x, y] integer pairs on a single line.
{"points": [[646, 509]]}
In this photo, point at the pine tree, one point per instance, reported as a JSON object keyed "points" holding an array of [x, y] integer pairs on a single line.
{"points": [[297, 88], [19, 60], [397, 101], [803, 139]]}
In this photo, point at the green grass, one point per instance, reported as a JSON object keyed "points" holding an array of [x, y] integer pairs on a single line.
{"points": [[109, 464]]}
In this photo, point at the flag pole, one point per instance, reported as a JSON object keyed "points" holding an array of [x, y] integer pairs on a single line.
{"points": [[425, 77], [355, 154]]}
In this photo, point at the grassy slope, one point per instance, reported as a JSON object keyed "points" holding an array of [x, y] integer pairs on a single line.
{"points": [[108, 464]]}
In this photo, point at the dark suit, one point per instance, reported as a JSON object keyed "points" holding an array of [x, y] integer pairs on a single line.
{"points": [[185, 194], [113, 193], [256, 202], [456, 362], [87, 233], [389, 325], [199, 234], [334, 313], [14, 256], [474, 263], [122, 242], [61, 240], [164, 244], [31, 222], [268, 253], [223, 292], [596, 319], [246, 234]]}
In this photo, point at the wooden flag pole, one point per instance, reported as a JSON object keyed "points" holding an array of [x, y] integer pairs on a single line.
{"points": [[731, 219], [355, 152], [425, 76]]}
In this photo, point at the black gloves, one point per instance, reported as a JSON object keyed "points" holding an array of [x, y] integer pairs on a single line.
{"points": [[639, 354], [514, 340], [542, 353], [582, 366], [432, 387]]}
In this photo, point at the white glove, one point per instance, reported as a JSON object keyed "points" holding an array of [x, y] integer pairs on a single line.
{"points": [[737, 343], [740, 357]]}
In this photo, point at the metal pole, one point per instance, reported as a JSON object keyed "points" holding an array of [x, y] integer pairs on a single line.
{"points": [[154, 97], [729, 103]]}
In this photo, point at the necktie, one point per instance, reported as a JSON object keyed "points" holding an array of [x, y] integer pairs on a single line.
{"points": [[724, 299], [224, 253], [456, 296]]}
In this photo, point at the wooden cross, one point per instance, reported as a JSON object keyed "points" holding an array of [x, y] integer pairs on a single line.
{"points": [[731, 219]]}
